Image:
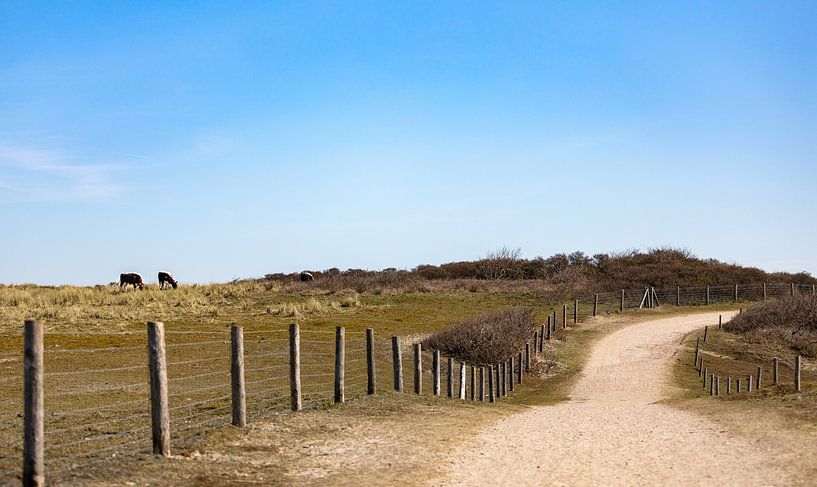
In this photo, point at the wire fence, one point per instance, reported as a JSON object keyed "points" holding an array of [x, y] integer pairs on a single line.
{"points": [[98, 394]]}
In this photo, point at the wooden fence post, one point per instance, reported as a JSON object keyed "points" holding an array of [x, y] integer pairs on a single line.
{"points": [[435, 366], [554, 320], [462, 381], [418, 368], [548, 334], [536, 340], [720, 321], [527, 358], [490, 383], [450, 377], [510, 373], [473, 383], [728, 386], [397, 363], [33, 410], [707, 297], [759, 377], [239, 395], [706, 332], [621, 305], [797, 364], [295, 367], [706, 375], [736, 293], [737, 386], [678, 296], [712, 384], [701, 370], [564, 317], [519, 371], [697, 349], [775, 371], [340, 364], [482, 384], [371, 381], [595, 303], [157, 366], [749, 383], [502, 379], [575, 311]]}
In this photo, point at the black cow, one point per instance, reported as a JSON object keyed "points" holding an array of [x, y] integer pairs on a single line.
{"points": [[131, 279], [166, 278], [306, 277]]}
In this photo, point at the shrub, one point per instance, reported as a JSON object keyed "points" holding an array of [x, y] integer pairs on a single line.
{"points": [[485, 339], [792, 320]]}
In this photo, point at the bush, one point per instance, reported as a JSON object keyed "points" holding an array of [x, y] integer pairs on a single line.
{"points": [[485, 339], [792, 320]]}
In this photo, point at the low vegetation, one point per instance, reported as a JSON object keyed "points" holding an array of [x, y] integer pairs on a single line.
{"points": [[791, 321], [487, 338]]}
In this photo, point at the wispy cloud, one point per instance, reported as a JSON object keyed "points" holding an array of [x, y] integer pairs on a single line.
{"points": [[31, 174]]}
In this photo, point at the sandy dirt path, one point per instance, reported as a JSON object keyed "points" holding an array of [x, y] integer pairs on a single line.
{"points": [[612, 431]]}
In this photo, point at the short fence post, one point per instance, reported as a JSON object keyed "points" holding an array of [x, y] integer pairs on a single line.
{"points": [[621, 305], [575, 311], [548, 334], [340, 364], [737, 386], [510, 373], [371, 385], [397, 363], [706, 332], [418, 368], [295, 367], [527, 358], [490, 383], [502, 379], [720, 321], [536, 340], [701, 370], [542, 336], [717, 385], [697, 349], [764, 291], [239, 395], [157, 365], [554, 321], [707, 297], [749, 383], [759, 377], [678, 296], [712, 384], [435, 371], [706, 375], [775, 370], [519, 371], [797, 364], [564, 317], [473, 383], [482, 384], [595, 303], [450, 376], [728, 386], [33, 411], [462, 381], [736, 293]]}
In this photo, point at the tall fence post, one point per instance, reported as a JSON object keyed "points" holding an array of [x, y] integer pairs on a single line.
{"points": [[371, 381], [490, 383], [450, 377], [482, 384], [239, 395], [473, 383], [595, 303], [677, 295], [418, 368], [435, 370], [157, 366], [295, 367], [775, 371], [575, 311], [797, 373], [462, 380], [527, 358], [707, 295], [340, 364], [33, 411], [397, 363]]}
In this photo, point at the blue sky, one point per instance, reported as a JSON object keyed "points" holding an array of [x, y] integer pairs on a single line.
{"points": [[217, 140]]}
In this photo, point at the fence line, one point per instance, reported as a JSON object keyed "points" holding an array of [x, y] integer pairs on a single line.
{"points": [[95, 411]]}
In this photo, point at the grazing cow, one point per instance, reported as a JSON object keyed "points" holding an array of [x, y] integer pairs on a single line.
{"points": [[166, 278], [306, 277], [131, 279]]}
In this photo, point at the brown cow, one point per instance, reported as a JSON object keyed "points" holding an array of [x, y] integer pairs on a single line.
{"points": [[131, 279], [166, 278]]}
